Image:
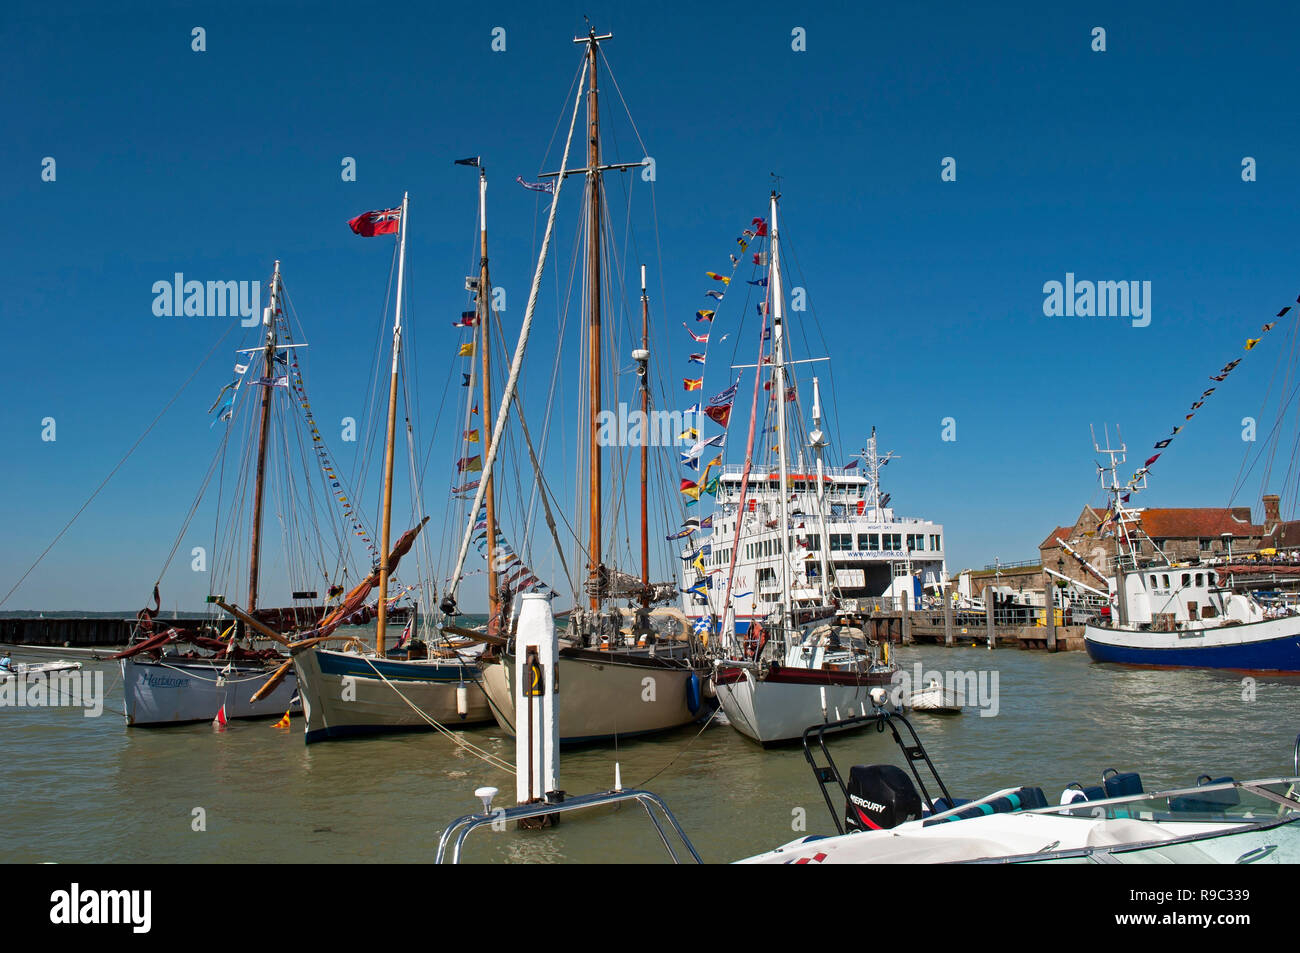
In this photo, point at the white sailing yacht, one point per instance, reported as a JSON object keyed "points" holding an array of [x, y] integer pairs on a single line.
{"points": [[172, 675], [807, 660]]}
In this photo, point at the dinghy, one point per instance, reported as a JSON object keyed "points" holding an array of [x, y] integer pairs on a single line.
{"points": [[25, 670]]}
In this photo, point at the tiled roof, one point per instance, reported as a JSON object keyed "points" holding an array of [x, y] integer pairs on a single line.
{"points": [[1198, 522], [1064, 532]]}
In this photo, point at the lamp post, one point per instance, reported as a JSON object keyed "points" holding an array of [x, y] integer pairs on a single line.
{"points": [[1060, 583]]}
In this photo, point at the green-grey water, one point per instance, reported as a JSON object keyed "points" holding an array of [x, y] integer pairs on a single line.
{"points": [[79, 789]]}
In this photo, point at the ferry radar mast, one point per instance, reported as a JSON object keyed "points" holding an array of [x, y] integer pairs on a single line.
{"points": [[874, 461]]}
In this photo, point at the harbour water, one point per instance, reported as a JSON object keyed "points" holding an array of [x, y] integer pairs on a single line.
{"points": [[79, 789]]}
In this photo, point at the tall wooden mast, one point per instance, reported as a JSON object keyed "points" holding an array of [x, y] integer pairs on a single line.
{"points": [[385, 529], [645, 440], [594, 190], [484, 322], [255, 557]]}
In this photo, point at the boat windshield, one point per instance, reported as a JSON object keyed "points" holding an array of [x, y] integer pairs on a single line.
{"points": [[1232, 800]]}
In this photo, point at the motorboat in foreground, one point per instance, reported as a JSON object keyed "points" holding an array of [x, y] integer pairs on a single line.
{"points": [[887, 818]]}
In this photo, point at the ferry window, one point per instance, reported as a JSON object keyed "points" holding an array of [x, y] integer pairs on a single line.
{"points": [[892, 541], [1200, 579], [1187, 579], [814, 542], [869, 541], [1165, 580], [800, 486], [936, 543], [841, 542], [1154, 584], [916, 542]]}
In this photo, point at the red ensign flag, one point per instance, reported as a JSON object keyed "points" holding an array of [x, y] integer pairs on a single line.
{"points": [[370, 224]]}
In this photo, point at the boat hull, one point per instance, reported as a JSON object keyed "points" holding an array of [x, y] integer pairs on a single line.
{"points": [[602, 696], [177, 691], [1272, 645], [369, 703], [776, 708]]}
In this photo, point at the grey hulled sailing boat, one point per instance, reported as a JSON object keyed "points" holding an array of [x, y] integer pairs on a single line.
{"points": [[629, 663]]}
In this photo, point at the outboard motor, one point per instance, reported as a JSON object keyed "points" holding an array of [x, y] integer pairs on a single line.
{"points": [[881, 796]]}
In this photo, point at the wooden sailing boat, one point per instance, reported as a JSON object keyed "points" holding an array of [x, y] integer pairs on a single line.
{"points": [[348, 693], [808, 663], [623, 672], [175, 675]]}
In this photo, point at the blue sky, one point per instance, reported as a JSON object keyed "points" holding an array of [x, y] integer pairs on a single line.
{"points": [[1117, 165]]}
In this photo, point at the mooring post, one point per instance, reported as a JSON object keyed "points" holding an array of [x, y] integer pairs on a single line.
{"points": [[907, 622], [537, 702], [989, 611], [948, 637], [1051, 618]]}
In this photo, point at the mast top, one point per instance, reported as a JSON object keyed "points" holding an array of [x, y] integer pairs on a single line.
{"points": [[591, 36]]}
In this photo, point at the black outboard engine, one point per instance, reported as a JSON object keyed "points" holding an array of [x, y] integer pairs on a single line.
{"points": [[881, 796]]}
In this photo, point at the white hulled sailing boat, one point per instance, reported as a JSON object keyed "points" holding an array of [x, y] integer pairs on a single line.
{"points": [[347, 693], [172, 675], [807, 661]]}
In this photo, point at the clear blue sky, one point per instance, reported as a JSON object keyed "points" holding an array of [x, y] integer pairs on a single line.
{"points": [[1117, 165]]}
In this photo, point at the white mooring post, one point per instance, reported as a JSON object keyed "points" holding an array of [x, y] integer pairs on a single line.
{"points": [[537, 700]]}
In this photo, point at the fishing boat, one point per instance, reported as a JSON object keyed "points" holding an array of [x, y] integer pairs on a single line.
{"points": [[808, 659], [214, 671], [1167, 615], [629, 664], [359, 690], [886, 815]]}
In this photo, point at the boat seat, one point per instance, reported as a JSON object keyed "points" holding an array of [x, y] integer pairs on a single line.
{"points": [[1023, 799], [1121, 784], [1212, 802], [1092, 793], [941, 804]]}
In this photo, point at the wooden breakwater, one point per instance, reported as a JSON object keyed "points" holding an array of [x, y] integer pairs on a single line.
{"points": [[72, 631], [961, 628], [84, 631]]}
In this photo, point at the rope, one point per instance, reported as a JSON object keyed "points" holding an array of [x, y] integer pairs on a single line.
{"points": [[685, 747], [473, 749], [67, 526]]}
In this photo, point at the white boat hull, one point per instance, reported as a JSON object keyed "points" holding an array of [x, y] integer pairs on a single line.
{"points": [[775, 711], [346, 694], [175, 691], [602, 698], [24, 670]]}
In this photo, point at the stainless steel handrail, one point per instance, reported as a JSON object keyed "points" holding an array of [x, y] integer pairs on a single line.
{"points": [[458, 830]]}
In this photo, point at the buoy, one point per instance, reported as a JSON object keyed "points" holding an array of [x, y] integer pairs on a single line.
{"points": [[462, 699]]}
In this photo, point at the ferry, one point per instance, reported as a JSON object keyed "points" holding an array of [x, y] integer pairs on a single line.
{"points": [[876, 557]]}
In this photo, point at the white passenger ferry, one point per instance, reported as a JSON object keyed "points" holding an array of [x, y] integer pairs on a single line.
{"points": [[872, 556]]}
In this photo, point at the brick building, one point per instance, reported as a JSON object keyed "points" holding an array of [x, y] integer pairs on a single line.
{"points": [[1184, 534]]}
